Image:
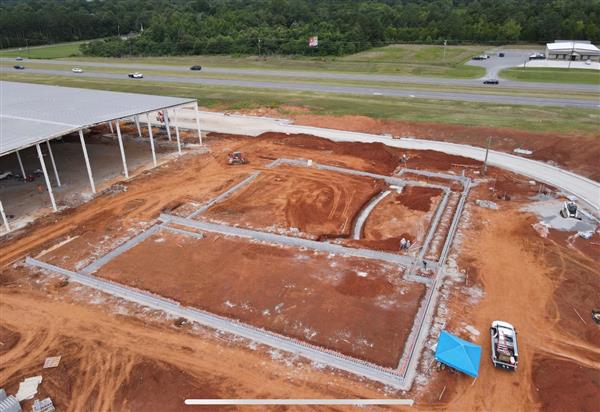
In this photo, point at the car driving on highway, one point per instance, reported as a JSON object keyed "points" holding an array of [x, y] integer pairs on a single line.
{"points": [[19, 67], [491, 81], [196, 67], [136, 75], [76, 70]]}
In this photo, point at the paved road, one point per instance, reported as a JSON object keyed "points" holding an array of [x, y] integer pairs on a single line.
{"points": [[327, 88], [493, 66], [513, 58], [584, 188]]}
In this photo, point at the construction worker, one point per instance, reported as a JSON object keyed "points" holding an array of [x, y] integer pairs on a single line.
{"points": [[402, 244], [407, 244]]}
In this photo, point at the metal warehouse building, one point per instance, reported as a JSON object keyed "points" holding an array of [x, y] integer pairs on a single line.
{"points": [[572, 50], [35, 116]]}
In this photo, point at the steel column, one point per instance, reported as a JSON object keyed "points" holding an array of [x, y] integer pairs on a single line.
{"points": [[151, 138], [53, 163], [122, 150], [166, 115], [137, 124], [21, 164], [177, 131], [41, 157], [4, 219], [87, 161], [198, 122]]}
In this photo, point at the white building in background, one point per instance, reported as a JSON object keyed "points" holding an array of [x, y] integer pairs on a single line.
{"points": [[572, 50]]}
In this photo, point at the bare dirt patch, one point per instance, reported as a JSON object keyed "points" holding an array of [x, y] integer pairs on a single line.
{"points": [[152, 384], [8, 339], [406, 215], [313, 202], [358, 307], [575, 151], [563, 385]]}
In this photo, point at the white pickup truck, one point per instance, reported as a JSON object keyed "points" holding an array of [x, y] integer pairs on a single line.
{"points": [[505, 352]]}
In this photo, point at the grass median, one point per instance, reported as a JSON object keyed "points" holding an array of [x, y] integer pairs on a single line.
{"points": [[527, 118], [551, 75]]}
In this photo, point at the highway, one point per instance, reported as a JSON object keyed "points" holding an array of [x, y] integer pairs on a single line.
{"points": [[294, 85], [493, 66]]}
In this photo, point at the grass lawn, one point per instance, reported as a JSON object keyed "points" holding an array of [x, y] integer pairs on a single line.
{"points": [[552, 75], [556, 119], [415, 60], [52, 51]]}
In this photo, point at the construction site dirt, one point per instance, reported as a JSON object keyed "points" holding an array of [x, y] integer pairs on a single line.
{"points": [[359, 307], [315, 203], [118, 355], [575, 151]]}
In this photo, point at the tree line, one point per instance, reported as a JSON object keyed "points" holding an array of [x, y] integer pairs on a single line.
{"points": [[182, 27]]}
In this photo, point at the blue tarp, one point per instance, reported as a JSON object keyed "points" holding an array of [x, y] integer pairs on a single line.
{"points": [[458, 354]]}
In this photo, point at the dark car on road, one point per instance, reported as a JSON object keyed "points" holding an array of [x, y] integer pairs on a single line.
{"points": [[491, 81], [500, 54], [19, 67], [196, 67]]}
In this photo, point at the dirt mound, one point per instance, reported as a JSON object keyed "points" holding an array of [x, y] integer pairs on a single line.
{"points": [[575, 151], [578, 385], [417, 198], [383, 158]]}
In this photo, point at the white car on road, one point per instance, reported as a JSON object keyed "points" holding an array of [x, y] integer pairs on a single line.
{"points": [[76, 70], [136, 75]]}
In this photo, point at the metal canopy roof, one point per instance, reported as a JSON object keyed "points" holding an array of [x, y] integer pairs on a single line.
{"points": [[34, 113]]}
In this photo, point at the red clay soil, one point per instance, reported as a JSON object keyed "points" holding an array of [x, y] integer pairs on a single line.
{"points": [[8, 339], [382, 159], [405, 215], [315, 202], [152, 385], [578, 283], [511, 267], [563, 385], [359, 307], [577, 152], [417, 198]]}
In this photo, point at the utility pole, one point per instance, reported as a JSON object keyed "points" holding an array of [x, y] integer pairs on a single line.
{"points": [[259, 47], [487, 152], [445, 43], [571, 56]]}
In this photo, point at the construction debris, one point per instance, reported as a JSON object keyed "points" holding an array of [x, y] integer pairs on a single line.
{"points": [[586, 235], [51, 362], [45, 405], [487, 204], [28, 388], [9, 404], [523, 151]]}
